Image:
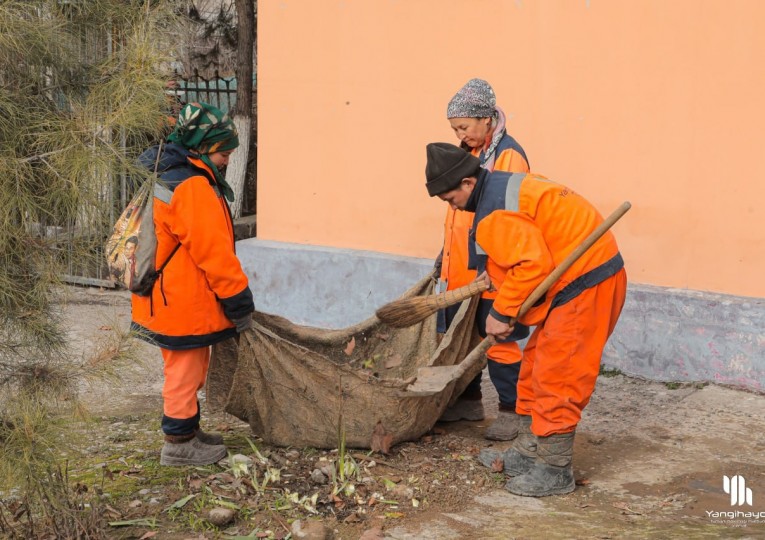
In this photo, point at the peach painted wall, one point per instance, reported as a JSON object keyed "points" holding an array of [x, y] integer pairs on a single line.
{"points": [[659, 102]]}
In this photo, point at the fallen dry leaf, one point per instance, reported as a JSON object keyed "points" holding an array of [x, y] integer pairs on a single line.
{"points": [[381, 439], [352, 518], [196, 484], [582, 481], [351, 345], [623, 506], [150, 534], [498, 465]]}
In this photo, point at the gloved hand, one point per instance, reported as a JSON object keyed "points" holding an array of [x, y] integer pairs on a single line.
{"points": [[243, 323]]}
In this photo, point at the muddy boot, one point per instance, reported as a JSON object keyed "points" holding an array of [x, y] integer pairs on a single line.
{"points": [[209, 438], [552, 473], [520, 457], [517, 459], [189, 450], [464, 409], [504, 428]]}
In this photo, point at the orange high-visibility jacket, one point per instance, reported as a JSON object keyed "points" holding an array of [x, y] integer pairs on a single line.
{"points": [[454, 265], [203, 285], [525, 226]]}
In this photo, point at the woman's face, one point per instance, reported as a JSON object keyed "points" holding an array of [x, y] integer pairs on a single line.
{"points": [[471, 131], [220, 159]]}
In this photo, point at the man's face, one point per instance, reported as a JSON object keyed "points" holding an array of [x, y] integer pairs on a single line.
{"points": [[129, 249], [458, 198]]}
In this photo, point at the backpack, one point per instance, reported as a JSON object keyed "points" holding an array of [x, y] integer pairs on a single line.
{"points": [[132, 247]]}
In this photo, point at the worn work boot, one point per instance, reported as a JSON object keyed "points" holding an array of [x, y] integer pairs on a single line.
{"points": [[504, 428], [209, 438], [189, 450], [464, 409], [520, 457], [552, 473]]}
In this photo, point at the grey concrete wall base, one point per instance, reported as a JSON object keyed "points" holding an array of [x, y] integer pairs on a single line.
{"points": [[663, 334], [690, 336], [325, 287]]}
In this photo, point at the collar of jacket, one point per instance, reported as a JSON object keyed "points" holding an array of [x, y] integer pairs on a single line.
{"points": [[475, 196], [199, 164]]}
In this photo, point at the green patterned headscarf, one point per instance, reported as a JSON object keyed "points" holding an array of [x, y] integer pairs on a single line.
{"points": [[206, 130]]}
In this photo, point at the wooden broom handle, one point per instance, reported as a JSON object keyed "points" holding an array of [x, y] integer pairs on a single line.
{"points": [[586, 244], [454, 296]]}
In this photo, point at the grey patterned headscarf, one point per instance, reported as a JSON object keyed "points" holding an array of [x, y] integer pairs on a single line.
{"points": [[474, 100]]}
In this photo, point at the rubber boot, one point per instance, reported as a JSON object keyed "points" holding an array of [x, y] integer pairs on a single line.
{"points": [[552, 473], [182, 450], [464, 409], [504, 428], [209, 438], [519, 458]]}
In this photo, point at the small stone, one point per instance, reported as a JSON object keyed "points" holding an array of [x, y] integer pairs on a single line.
{"points": [[317, 477], [241, 458], [292, 455], [144, 492], [153, 501], [311, 530], [135, 503], [221, 516], [402, 491], [372, 534]]}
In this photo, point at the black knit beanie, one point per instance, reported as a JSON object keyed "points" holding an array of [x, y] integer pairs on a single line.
{"points": [[447, 166]]}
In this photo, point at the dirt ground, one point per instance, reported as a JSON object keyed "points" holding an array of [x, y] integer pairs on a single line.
{"points": [[649, 459]]}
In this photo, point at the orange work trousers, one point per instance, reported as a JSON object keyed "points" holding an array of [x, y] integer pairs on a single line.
{"points": [[185, 374], [505, 353], [561, 360]]}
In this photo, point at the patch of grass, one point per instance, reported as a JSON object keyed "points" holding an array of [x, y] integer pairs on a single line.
{"points": [[673, 385], [609, 372]]}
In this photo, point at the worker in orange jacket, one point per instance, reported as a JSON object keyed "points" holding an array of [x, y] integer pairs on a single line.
{"points": [[525, 225], [202, 296], [480, 125]]}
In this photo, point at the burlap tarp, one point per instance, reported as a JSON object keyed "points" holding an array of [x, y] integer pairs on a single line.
{"points": [[297, 385]]}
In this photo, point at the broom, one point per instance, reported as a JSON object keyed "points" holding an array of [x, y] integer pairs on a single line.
{"points": [[409, 311]]}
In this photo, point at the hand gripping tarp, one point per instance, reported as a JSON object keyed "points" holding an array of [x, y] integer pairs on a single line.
{"points": [[303, 386]]}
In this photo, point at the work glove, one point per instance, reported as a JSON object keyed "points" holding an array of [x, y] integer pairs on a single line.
{"points": [[243, 323]]}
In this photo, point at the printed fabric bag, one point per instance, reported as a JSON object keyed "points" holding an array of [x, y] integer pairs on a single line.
{"points": [[132, 247]]}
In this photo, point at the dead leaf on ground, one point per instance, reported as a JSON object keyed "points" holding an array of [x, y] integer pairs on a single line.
{"points": [[623, 506], [196, 484], [352, 518], [582, 481], [349, 348], [381, 439], [150, 534], [498, 465]]}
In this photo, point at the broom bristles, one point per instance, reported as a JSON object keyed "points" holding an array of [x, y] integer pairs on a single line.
{"points": [[409, 311]]}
